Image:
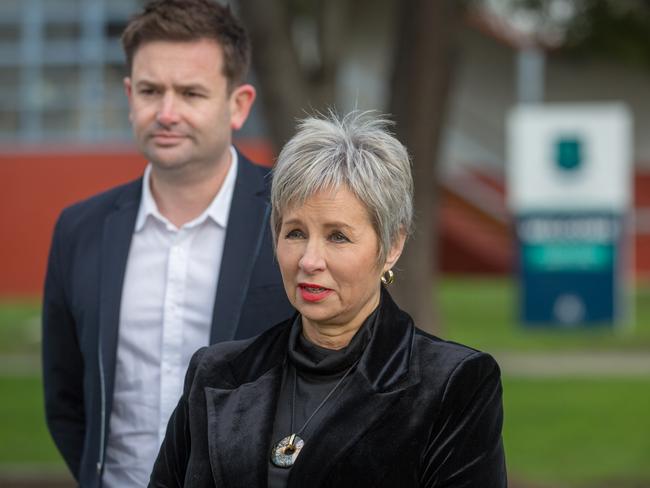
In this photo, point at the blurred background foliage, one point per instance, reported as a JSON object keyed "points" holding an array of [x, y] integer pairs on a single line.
{"points": [[610, 29]]}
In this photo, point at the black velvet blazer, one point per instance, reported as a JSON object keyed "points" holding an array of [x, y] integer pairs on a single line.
{"points": [[416, 412]]}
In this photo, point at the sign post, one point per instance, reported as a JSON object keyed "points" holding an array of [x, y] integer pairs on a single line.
{"points": [[569, 187]]}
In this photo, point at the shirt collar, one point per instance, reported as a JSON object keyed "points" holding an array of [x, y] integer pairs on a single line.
{"points": [[217, 211]]}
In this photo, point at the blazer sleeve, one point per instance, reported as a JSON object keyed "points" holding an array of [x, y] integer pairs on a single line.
{"points": [[465, 448], [173, 457], [62, 361]]}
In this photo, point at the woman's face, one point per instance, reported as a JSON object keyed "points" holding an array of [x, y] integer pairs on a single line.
{"points": [[327, 250]]}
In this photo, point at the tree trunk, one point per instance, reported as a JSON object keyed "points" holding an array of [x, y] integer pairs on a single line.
{"points": [[424, 60], [282, 84], [288, 89]]}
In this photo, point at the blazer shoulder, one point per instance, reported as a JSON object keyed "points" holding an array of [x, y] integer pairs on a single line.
{"points": [[257, 167], [439, 355], [223, 352], [244, 360], [254, 174], [90, 209]]}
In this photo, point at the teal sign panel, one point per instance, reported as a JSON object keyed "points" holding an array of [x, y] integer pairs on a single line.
{"points": [[570, 268]]}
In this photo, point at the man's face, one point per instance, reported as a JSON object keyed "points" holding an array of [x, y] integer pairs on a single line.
{"points": [[180, 108]]}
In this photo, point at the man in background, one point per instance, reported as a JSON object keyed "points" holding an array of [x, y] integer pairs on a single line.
{"points": [[142, 275]]}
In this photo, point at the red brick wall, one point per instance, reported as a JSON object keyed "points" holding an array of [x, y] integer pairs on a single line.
{"points": [[642, 243], [37, 185]]}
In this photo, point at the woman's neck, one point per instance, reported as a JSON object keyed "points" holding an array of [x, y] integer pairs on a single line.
{"points": [[337, 336], [329, 337]]}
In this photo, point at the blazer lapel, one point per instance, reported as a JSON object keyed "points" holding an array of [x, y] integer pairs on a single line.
{"points": [[358, 410], [240, 424], [380, 379], [249, 216], [116, 241], [240, 419]]}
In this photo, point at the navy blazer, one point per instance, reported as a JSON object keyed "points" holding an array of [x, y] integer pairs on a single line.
{"points": [[81, 305]]}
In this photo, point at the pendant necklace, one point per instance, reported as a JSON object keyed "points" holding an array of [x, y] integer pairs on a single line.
{"points": [[285, 452]]}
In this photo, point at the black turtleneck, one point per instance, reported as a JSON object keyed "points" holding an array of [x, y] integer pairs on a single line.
{"points": [[315, 371]]}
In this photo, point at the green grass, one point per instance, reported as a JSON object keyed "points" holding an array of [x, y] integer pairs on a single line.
{"points": [[20, 327], [482, 313], [578, 432], [559, 432], [23, 434]]}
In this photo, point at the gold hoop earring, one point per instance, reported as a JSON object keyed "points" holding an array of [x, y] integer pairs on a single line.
{"points": [[388, 277]]}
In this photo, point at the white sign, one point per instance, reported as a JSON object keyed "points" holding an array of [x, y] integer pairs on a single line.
{"points": [[569, 157]]}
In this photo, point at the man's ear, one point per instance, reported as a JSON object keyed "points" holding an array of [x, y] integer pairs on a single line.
{"points": [[241, 101], [395, 252]]}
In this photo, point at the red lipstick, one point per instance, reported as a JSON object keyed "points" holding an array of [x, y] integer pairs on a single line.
{"points": [[313, 293]]}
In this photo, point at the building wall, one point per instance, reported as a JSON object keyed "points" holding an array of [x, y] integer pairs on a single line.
{"points": [[38, 183], [36, 187]]}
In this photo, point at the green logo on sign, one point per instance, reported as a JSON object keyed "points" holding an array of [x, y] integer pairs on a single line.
{"points": [[568, 153]]}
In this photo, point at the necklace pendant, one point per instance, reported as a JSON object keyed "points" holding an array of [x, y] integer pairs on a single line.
{"points": [[286, 451]]}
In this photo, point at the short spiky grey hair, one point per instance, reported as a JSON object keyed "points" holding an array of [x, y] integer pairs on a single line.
{"points": [[357, 152]]}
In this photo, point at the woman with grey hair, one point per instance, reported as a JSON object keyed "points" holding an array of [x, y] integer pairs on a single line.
{"points": [[349, 392]]}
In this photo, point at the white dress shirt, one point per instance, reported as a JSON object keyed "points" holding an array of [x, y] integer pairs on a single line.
{"points": [[165, 316]]}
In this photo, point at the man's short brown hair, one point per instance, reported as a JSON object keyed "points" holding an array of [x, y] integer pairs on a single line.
{"points": [[191, 20]]}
